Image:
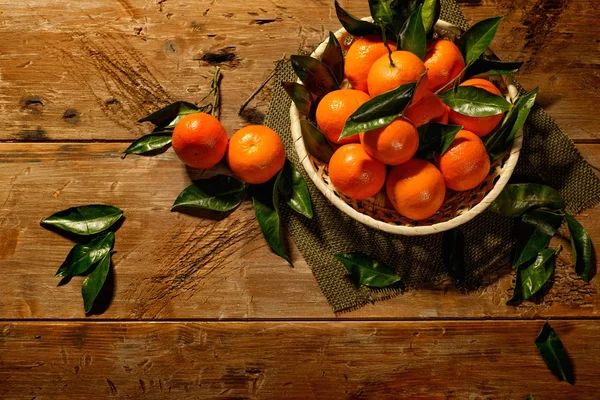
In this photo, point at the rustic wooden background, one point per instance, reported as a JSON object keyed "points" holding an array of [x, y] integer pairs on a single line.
{"points": [[202, 309]]}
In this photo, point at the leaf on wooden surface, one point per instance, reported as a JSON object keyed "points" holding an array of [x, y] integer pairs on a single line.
{"points": [[84, 220], [315, 75], [83, 256], [581, 248], [353, 25], [534, 232], [380, 111], [492, 67], [265, 199], [435, 139], [367, 271], [478, 38], [453, 252], [532, 276], [474, 101], [167, 117], [501, 140], [412, 36], [93, 283], [300, 96], [554, 354], [333, 58], [315, 142], [220, 193], [150, 142], [293, 188], [517, 198]]}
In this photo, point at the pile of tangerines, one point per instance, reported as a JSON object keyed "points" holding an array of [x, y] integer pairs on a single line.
{"points": [[415, 187]]}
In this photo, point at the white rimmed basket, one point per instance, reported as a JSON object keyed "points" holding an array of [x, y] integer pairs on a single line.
{"points": [[377, 212]]}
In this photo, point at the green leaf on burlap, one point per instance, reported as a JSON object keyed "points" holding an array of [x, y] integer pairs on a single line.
{"points": [[294, 190], [517, 198], [300, 96], [367, 271], [534, 232], [581, 247]]}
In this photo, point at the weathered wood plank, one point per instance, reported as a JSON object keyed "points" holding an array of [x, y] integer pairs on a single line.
{"points": [[89, 70], [171, 265], [270, 360]]}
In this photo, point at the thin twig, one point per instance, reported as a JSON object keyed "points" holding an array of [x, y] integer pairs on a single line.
{"points": [[214, 87], [385, 42], [453, 81], [261, 87]]}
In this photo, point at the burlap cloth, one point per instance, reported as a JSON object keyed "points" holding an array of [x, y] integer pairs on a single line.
{"points": [[548, 156]]}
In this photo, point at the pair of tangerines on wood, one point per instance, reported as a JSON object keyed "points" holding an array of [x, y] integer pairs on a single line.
{"points": [[415, 187], [255, 153]]}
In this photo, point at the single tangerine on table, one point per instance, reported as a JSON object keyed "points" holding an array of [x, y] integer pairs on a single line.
{"points": [[393, 144], [416, 189], [443, 61], [360, 57], [199, 140], [355, 173], [466, 163], [480, 126], [407, 68], [255, 154], [333, 112], [430, 109]]}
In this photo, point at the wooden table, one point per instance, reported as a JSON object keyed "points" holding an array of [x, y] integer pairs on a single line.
{"points": [[203, 308]]}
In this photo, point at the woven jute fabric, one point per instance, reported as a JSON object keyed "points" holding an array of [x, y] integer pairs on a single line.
{"points": [[548, 156]]}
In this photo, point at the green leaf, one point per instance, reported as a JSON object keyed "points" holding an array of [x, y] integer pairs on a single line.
{"points": [[84, 220], [492, 67], [554, 354], [474, 101], [353, 25], [477, 39], [83, 256], [300, 96], [435, 139], [293, 188], [430, 14], [453, 252], [265, 198], [402, 9], [581, 247], [219, 193], [381, 11], [150, 142], [501, 140], [516, 198], [315, 142], [379, 111], [533, 276], [168, 116], [367, 271], [412, 36], [534, 232], [92, 284], [315, 75], [333, 57]]}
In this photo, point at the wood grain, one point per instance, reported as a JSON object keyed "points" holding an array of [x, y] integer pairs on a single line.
{"points": [[171, 265], [89, 70], [311, 360]]}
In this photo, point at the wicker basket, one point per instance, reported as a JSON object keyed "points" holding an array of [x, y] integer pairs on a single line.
{"points": [[377, 212]]}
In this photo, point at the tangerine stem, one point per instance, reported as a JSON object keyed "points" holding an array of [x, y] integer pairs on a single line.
{"points": [[387, 46], [214, 87], [453, 81]]}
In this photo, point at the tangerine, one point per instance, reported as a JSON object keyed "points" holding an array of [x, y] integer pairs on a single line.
{"points": [[393, 144], [199, 140], [355, 173], [430, 109], [407, 68], [333, 112], [255, 154], [416, 189], [360, 57], [443, 61], [466, 162], [480, 126]]}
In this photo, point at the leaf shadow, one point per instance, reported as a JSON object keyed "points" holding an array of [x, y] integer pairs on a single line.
{"points": [[204, 213]]}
